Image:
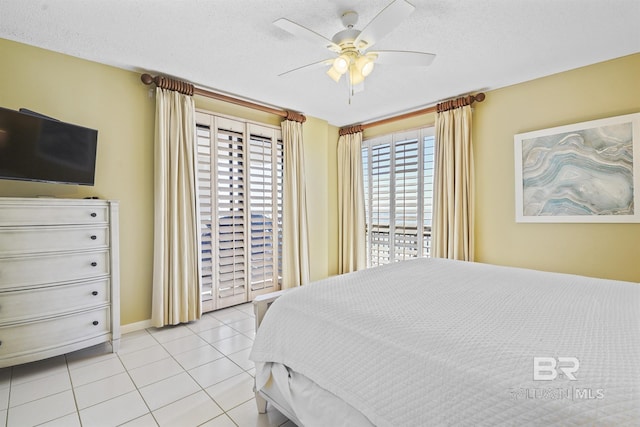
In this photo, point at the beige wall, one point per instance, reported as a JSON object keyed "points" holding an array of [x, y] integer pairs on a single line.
{"points": [[115, 102], [603, 250]]}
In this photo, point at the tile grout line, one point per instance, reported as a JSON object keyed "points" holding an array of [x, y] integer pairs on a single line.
{"points": [[73, 391]]}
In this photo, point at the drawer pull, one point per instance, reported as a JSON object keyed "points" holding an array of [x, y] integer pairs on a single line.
{"points": [[94, 293], [94, 264], [94, 237], [93, 214], [95, 323]]}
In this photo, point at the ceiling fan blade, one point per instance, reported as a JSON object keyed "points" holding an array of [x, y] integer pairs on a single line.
{"points": [[387, 20], [403, 57], [312, 65], [305, 33]]}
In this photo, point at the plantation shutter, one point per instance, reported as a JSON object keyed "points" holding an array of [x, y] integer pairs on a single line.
{"points": [[407, 216], [240, 184], [267, 162], [231, 212], [206, 195], [398, 180]]}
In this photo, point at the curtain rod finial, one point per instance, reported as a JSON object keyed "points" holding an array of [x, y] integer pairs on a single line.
{"points": [[479, 97], [146, 79]]}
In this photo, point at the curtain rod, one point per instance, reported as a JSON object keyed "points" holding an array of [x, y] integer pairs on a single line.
{"points": [[442, 106], [190, 89]]}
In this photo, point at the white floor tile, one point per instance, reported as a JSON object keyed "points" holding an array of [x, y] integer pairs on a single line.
{"points": [[247, 415], [229, 315], [241, 359], [42, 410], [233, 344], [143, 421], [203, 324], [136, 359], [102, 390], [192, 410], [90, 355], [36, 370], [114, 412], [37, 389], [244, 325], [170, 333], [246, 309], [250, 334], [221, 421], [136, 341], [198, 356], [217, 334], [169, 390], [134, 335], [183, 344], [3, 418], [155, 371], [4, 398], [214, 372], [233, 391], [71, 420], [96, 371]]}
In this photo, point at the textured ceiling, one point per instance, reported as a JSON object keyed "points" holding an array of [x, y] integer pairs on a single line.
{"points": [[231, 46]]}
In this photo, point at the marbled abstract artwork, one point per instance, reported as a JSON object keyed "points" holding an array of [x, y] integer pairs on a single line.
{"points": [[578, 173]]}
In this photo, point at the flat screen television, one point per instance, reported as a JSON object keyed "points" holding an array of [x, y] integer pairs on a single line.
{"points": [[34, 147]]}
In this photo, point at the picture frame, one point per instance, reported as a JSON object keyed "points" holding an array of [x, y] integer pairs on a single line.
{"points": [[586, 172]]}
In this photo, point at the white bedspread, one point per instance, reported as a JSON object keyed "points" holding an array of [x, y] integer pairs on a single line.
{"points": [[437, 342]]}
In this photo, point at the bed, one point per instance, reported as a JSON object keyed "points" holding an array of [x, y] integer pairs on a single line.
{"points": [[440, 342]]}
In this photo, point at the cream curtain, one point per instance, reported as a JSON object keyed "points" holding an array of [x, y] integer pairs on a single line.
{"points": [[176, 266], [453, 213], [295, 234], [351, 214]]}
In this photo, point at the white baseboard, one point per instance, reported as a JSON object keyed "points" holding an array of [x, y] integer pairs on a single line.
{"points": [[138, 326]]}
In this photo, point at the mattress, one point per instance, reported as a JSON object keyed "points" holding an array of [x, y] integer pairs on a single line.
{"points": [[440, 342]]}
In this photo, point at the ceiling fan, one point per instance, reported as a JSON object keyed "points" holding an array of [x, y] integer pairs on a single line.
{"points": [[350, 45]]}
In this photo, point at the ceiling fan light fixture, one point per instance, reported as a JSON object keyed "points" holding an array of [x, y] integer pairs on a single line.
{"points": [[355, 76], [364, 64], [335, 75], [341, 64]]}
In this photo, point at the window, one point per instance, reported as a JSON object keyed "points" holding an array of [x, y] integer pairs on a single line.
{"points": [[240, 172], [398, 188]]}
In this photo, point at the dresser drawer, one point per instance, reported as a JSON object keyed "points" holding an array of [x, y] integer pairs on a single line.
{"points": [[52, 300], [50, 239], [34, 212], [47, 334], [17, 272]]}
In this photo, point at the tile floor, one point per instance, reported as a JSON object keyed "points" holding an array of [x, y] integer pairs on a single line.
{"points": [[196, 374]]}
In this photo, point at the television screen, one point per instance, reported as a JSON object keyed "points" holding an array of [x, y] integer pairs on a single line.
{"points": [[36, 148]]}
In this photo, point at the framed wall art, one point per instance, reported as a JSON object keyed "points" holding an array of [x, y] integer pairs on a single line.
{"points": [[583, 172]]}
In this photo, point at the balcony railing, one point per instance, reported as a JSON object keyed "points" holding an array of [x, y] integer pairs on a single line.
{"points": [[406, 243]]}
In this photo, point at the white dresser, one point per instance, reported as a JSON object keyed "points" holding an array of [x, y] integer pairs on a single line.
{"points": [[59, 277]]}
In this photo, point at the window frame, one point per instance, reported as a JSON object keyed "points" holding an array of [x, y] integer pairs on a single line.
{"points": [[247, 131], [393, 140]]}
